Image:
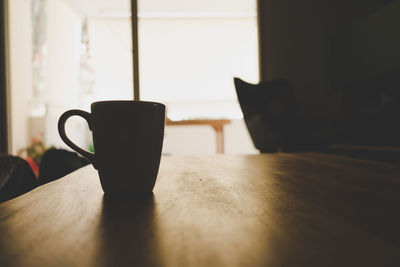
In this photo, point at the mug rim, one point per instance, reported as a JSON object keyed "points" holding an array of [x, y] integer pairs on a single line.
{"points": [[127, 101]]}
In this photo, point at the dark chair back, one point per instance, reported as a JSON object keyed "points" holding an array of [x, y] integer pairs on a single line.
{"points": [[270, 113], [57, 163], [16, 177]]}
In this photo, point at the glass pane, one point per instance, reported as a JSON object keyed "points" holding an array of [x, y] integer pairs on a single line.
{"points": [[65, 54], [189, 52]]}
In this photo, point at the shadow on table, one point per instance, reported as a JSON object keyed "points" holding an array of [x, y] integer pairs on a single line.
{"points": [[128, 232]]}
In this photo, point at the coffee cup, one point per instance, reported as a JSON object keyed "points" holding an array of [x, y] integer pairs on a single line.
{"points": [[127, 141]]}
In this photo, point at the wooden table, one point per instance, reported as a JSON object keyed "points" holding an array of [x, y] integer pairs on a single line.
{"points": [[216, 124], [259, 210]]}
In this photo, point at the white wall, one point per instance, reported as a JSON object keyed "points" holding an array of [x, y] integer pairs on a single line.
{"points": [[20, 44], [237, 139], [201, 140]]}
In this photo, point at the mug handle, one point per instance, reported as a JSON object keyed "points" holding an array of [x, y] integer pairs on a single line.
{"points": [[61, 130]]}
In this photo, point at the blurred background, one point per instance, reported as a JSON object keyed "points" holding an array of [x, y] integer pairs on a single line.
{"points": [[341, 58], [66, 54]]}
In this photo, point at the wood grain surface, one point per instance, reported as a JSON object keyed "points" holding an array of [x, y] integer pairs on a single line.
{"points": [[262, 210]]}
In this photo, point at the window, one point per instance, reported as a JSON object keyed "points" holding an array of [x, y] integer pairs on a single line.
{"points": [[189, 52], [66, 54]]}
